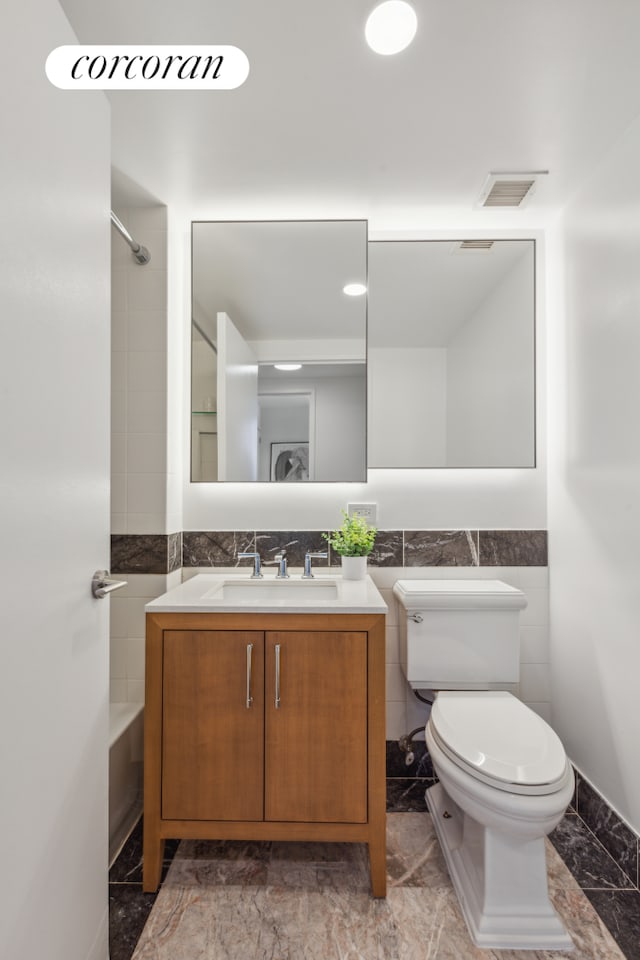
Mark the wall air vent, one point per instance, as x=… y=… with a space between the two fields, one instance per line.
x=509 y=189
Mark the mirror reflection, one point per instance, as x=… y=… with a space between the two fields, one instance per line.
x=278 y=385
x=451 y=358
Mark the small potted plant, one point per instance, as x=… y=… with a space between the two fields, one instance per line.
x=353 y=541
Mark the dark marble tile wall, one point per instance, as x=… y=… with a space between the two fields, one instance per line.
x=174 y=552
x=616 y=837
x=393 y=548
x=146 y=553
x=512 y=548
x=441 y=548
x=388 y=550
x=407 y=783
x=601 y=852
x=295 y=542
x=216 y=548
x=164 y=553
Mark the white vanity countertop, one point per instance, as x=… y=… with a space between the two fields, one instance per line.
x=231 y=593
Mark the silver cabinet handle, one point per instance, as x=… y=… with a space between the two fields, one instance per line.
x=416 y=617
x=249 y=654
x=277 y=676
x=102 y=584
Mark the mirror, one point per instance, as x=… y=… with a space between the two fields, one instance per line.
x=451 y=359
x=271 y=292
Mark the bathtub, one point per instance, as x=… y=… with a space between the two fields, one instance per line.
x=125 y=772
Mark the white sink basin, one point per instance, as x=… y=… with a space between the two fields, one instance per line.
x=289 y=591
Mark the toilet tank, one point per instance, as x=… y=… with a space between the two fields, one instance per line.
x=459 y=634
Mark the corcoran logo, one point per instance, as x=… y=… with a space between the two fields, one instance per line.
x=98 y=67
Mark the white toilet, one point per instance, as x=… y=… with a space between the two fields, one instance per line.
x=504 y=778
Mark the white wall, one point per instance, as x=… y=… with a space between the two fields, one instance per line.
x=594 y=477
x=407 y=406
x=490 y=378
x=54 y=504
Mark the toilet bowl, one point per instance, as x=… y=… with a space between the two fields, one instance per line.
x=504 y=784
x=504 y=779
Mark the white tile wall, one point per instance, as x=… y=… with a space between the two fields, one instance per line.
x=139 y=429
x=404 y=711
x=139 y=375
x=128 y=633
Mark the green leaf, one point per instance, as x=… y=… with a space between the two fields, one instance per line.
x=355 y=538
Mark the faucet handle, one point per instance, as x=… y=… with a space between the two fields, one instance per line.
x=281 y=560
x=257 y=572
x=307 y=575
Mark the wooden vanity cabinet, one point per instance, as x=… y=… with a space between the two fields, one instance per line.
x=265 y=727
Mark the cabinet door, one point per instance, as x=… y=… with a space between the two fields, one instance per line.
x=316 y=737
x=213 y=725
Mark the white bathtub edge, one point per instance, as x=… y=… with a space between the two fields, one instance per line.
x=121 y=716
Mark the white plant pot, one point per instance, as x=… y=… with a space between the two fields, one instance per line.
x=354 y=568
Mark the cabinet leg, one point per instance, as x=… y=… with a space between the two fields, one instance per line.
x=153 y=853
x=378 y=864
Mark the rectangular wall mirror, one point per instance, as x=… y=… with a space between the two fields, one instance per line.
x=451 y=359
x=267 y=293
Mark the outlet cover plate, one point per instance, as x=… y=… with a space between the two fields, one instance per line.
x=367 y=510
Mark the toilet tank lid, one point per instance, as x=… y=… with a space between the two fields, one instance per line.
x=458 y=595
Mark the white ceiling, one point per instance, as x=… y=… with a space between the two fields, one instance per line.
x=421 y=294
x=325 y=127
x=281 y=280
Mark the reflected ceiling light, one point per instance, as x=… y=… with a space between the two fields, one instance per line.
x=354 y=289
x=391 y=27
x=288 y=366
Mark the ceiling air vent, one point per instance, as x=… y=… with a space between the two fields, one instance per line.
x=476 y=244
x=509 y=189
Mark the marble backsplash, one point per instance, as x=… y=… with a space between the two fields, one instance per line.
x=164 y=553
x=146 y=553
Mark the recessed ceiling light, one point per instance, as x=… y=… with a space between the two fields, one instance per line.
x=288 y=366
x=391 y=27
x=354 y=289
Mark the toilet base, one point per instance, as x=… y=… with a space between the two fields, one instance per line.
x=500 y=881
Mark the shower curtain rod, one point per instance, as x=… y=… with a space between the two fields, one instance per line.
x=140 y=253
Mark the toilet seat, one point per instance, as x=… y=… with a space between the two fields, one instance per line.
x=495 y=738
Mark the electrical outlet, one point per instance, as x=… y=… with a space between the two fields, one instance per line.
x=369 y=511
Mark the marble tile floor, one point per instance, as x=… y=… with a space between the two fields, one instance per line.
x=289 y=901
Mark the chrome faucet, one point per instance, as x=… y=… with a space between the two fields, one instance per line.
x=281 y=560
x=257 y=572
x=308 y=557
